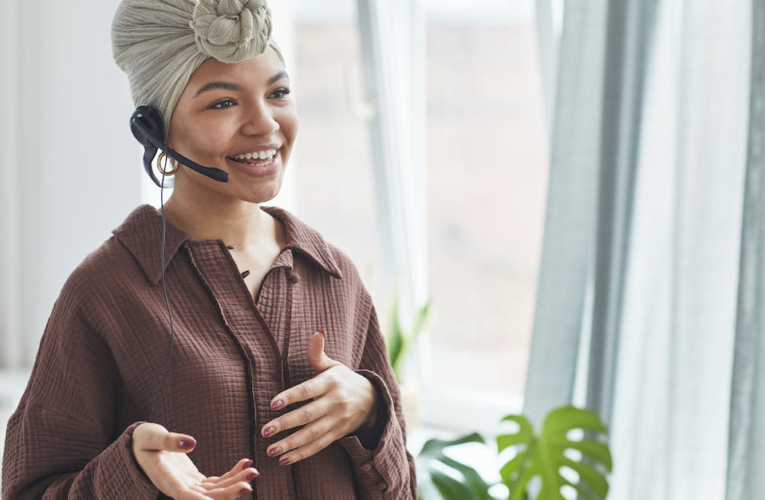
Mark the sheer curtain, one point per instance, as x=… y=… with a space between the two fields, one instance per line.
x=646 y=313
x=393 y=51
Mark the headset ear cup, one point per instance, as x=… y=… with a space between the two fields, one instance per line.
x=149 y=119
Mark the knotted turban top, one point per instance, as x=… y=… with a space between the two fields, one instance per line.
x=160 y=43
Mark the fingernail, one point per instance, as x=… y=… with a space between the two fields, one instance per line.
x=186 y=443
x=323 y=332
x=252 y=476
x=284 y=461
x=244 y=491
x=274 y=451
x=269 y=431
x=278 y=404
x=247 y=463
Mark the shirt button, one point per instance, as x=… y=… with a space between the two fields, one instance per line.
x=366 y=466
x=294 y=278
x=381 y=486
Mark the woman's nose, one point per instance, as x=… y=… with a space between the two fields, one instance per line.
x=261 y=122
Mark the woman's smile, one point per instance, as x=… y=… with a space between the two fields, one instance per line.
x=257 y=167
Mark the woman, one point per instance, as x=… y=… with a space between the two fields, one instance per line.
x=279 y=384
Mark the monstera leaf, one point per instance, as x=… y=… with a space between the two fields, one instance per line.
x=432 y=463
x=544 y=455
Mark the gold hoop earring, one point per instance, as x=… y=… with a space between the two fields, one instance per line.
x=167 y=173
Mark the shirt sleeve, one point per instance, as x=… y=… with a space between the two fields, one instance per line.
x=387 y=470
x=60 y=442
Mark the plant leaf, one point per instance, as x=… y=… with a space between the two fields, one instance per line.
x=430 y=463
x=450 y=488
x=394 y=337
x=434 y=447
x=544 y=455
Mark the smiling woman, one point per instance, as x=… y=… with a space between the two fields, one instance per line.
x=229 y=110
x=278 y=351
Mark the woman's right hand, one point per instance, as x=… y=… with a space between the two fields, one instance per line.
x=168 y=466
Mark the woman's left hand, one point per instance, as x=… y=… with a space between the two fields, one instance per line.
x=343 y=401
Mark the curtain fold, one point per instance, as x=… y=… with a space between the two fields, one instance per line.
x=667 y=156
x=630 y=28
x=569 y=234
x=746 y=444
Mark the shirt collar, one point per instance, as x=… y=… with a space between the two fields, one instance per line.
x=141 y=233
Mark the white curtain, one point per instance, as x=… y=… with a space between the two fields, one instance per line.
x=653 y=224
x=392 y=36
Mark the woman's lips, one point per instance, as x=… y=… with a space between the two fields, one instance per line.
x=258 y=168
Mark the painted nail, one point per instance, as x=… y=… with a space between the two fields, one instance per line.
x=275 y=451
x=269 y=431
x=251 y=476
x=244 y=491
x=187 y=444
x=284 y=461
x=278 y=404
x=247 y=463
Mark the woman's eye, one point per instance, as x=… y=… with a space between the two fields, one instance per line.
x=279 y=93
x=215 y=106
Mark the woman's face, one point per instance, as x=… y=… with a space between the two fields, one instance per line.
x=211 y=125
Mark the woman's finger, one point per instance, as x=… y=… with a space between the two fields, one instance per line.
x=242 y=464
x=230 y=492
x=310 y=439
x=304 y=415
x=172 y=441
x=310 y=389
x=245 y=475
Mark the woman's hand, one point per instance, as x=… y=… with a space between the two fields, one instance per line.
x=160 y=455
x=343 y=401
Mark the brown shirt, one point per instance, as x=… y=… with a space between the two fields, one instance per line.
x=107 y=343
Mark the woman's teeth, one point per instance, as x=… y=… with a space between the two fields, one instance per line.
x=262 y=155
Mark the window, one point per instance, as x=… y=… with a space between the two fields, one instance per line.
x=487 y=181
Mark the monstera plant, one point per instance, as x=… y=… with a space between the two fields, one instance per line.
x=545 y=455
x=536 y=456
x=542 y=456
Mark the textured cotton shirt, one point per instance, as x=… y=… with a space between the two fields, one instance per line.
x=106 y=347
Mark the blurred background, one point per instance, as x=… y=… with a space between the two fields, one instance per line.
x=575 y=187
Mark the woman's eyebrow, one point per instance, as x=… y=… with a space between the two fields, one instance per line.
x=234 y=86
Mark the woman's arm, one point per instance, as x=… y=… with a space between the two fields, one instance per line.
x=387 y=470
x=60 y=442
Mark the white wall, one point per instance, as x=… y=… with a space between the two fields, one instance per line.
x=69 y=162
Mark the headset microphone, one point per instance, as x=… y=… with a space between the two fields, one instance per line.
x=147 y=126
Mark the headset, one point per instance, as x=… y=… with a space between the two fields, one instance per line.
x=149 y=129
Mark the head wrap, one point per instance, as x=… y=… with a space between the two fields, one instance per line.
x=160 y=43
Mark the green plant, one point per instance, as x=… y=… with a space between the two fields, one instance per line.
x=541 y=456
x=398 y=340
x=544 y=455
x=430 y=464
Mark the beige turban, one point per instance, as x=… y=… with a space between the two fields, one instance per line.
x=160 y=43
